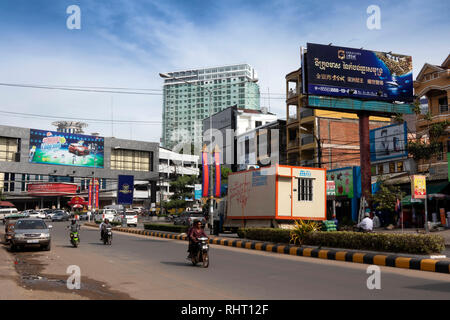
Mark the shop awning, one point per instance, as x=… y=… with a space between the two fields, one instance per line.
x=436 y=188
x=6 y=204
x=406 y=201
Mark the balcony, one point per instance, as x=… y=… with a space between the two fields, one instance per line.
x=307 y=139
x=307 y=163
x=292 y=144
x=305 y=113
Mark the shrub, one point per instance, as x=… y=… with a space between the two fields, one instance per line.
x=265 y=234
x=389 y=242
x=302 y=229
x=165 y=227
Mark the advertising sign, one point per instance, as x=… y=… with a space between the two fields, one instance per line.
x=125 y=189
x=331 y=188
x=70 y=149
x=343 y=179
x=52 y=189
x=418 y=187
x=388 y=142
x=197 y=191
x=347 y=72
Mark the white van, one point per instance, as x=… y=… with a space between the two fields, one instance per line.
x=6 y=211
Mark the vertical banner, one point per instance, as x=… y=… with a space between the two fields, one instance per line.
x=218 y=174
x=97 y=188
x=197 y=191
x=90 y=195
x=205 y=180
x=418 y=187
x=125 y=190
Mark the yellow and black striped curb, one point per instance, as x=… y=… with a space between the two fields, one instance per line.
x=339 y=255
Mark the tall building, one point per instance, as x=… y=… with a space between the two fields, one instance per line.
x=186 y=105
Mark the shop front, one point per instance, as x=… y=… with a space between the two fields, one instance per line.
x=347 y=182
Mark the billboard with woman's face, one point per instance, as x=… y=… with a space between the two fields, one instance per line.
x=70 y=149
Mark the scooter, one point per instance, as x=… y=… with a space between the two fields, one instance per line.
x=74 y=238
x=107 y=236
x=200 y=253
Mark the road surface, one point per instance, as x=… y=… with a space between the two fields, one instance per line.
x=139 y=267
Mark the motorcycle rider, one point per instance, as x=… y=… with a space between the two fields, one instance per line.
x=74 y=227
x=194 y=233
x=103 y=226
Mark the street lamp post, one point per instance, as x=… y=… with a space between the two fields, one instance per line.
x=211 y=208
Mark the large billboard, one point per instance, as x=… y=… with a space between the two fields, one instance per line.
x=61 y=148
x=388 y=142
x=356 y=73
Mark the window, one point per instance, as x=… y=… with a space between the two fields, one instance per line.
x=443 y=105
x=400 y=166
x=131 y=160
x=305 y=189
x=9 y=147
x=380 y=169
x=392 y=167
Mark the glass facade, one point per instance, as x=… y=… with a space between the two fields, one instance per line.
x=186 y=105
x=123 y=159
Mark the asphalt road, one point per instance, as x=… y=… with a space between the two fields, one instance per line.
x=138 y=267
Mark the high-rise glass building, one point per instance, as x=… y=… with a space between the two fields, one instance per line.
x=186 y=105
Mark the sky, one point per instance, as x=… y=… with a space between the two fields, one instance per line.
x=127 y=43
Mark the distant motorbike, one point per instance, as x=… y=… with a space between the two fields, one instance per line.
x=200 y=253
x=107 y=236
x=74 y=238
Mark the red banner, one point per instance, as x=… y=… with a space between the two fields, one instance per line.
x=218 y=175
x=205 y=184
x=52 y=189
x=96 y=194
x=90 y=195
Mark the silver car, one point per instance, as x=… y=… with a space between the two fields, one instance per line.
x=30 y=232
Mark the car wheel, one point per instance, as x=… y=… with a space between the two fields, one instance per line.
x=47 y=247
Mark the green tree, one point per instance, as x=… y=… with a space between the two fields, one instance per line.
x=182 y=189
x=386 y=197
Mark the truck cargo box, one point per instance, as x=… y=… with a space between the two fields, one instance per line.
x=277 y=193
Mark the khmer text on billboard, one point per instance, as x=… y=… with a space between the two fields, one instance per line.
x=60 y=148
x=364 y=74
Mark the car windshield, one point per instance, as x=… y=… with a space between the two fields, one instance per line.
x=30 y=224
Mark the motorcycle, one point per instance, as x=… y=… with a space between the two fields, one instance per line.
x=107 y=236
x=74 y=238
x=200 y=253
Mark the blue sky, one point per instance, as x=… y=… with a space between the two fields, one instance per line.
x=126 y=43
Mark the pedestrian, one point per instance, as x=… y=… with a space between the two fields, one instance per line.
x=366 y=224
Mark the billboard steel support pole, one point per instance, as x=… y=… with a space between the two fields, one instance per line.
x=364 y=150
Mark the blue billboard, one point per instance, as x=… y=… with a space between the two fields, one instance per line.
x=389 y=142
x=70 y=149
x=125 y=189
x=347 y=72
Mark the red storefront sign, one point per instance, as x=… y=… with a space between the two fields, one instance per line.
x=52 y=189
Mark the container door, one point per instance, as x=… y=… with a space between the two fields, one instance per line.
x=284 y=196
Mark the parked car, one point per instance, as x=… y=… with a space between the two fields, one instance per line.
x=30 y=232
x=37 y=214
x=60 y=215
x=187 y=218
x=49 y=213
x=6 y=211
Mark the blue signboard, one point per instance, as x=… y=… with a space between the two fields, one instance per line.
x=389 y=142
x=347 y=72
x=197 y=191
x=125 y=189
